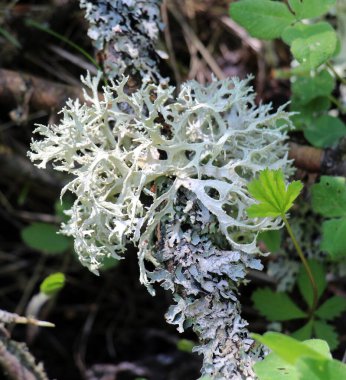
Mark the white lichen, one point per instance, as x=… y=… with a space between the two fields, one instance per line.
x=125 y=32
x=170 y=174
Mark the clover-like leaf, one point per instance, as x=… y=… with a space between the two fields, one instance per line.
x=274 y=196
x=332 y=308
x=276 y=306
x=326 y=332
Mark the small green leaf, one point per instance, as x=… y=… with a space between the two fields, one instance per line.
x=332 y=308
x=310 y=8
x=263 y=19
x=272 y=239
x=276 y=306
x=333 y=241
x=304 y=333
x=185 y=345
x=52 y=284
x=329 y=196
x=287 y=348
x=326 y=332
x=311 y=44
x=308 y=88
x=309 y=111
x=325 y=131
x=44 y=237
x=304 y=284
x=270 y=189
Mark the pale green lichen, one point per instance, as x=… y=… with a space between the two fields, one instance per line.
x=170 y=174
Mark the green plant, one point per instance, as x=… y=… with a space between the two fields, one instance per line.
x=313 y=44
x=279 y=306
x=293 y=360
x=275 y=200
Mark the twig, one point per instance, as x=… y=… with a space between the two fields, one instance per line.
x=196 y=41
x=168 y=39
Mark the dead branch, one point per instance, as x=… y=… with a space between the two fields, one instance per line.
x=45 y=94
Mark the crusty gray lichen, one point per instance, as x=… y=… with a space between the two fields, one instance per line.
x=170 y=174
x=126 y=32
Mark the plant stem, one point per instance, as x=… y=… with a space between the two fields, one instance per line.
x=305 y=263
x=336 y=74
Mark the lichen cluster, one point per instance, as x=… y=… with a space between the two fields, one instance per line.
x=125 y=33
x=170 y=175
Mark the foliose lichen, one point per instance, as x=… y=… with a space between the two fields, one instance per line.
x=170 y=174
x=125 y=33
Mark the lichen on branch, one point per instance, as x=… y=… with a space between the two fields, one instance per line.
x=170 y=175
x=125 y=33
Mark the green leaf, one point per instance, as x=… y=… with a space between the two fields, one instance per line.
x=311 y=369
x=263 y=19
x=270 y=189
x=304 y=284
x=304 y=333
x=307 y=112
x=52 y=284
x=325 y=131
x=332 y=308
x=308 y=88
x=185 y=345
x=326 y=332
x=276 y=306
x=272 y=239
x=44 y=237
x=329 y=196
x=311 y=44
x=289 y=349
x=310 y=8
x=273 y=367
x=334 y=242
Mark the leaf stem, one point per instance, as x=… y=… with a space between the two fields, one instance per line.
x=305 y=264
x=336 y=74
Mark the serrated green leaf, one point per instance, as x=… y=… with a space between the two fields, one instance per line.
x=310 y=8
x=329 y=196
x=308 y=88
x=272 y=239
x=304 y=284
x=289 y=349
x=276 y=306
x=263 y=19
x=332 y=308
x=334 y=242
x=52 y=284
x=325 y=131
x=311 y=44
x=304 y=333
x=270 y=189
x=326 y=332
x=44 y=237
